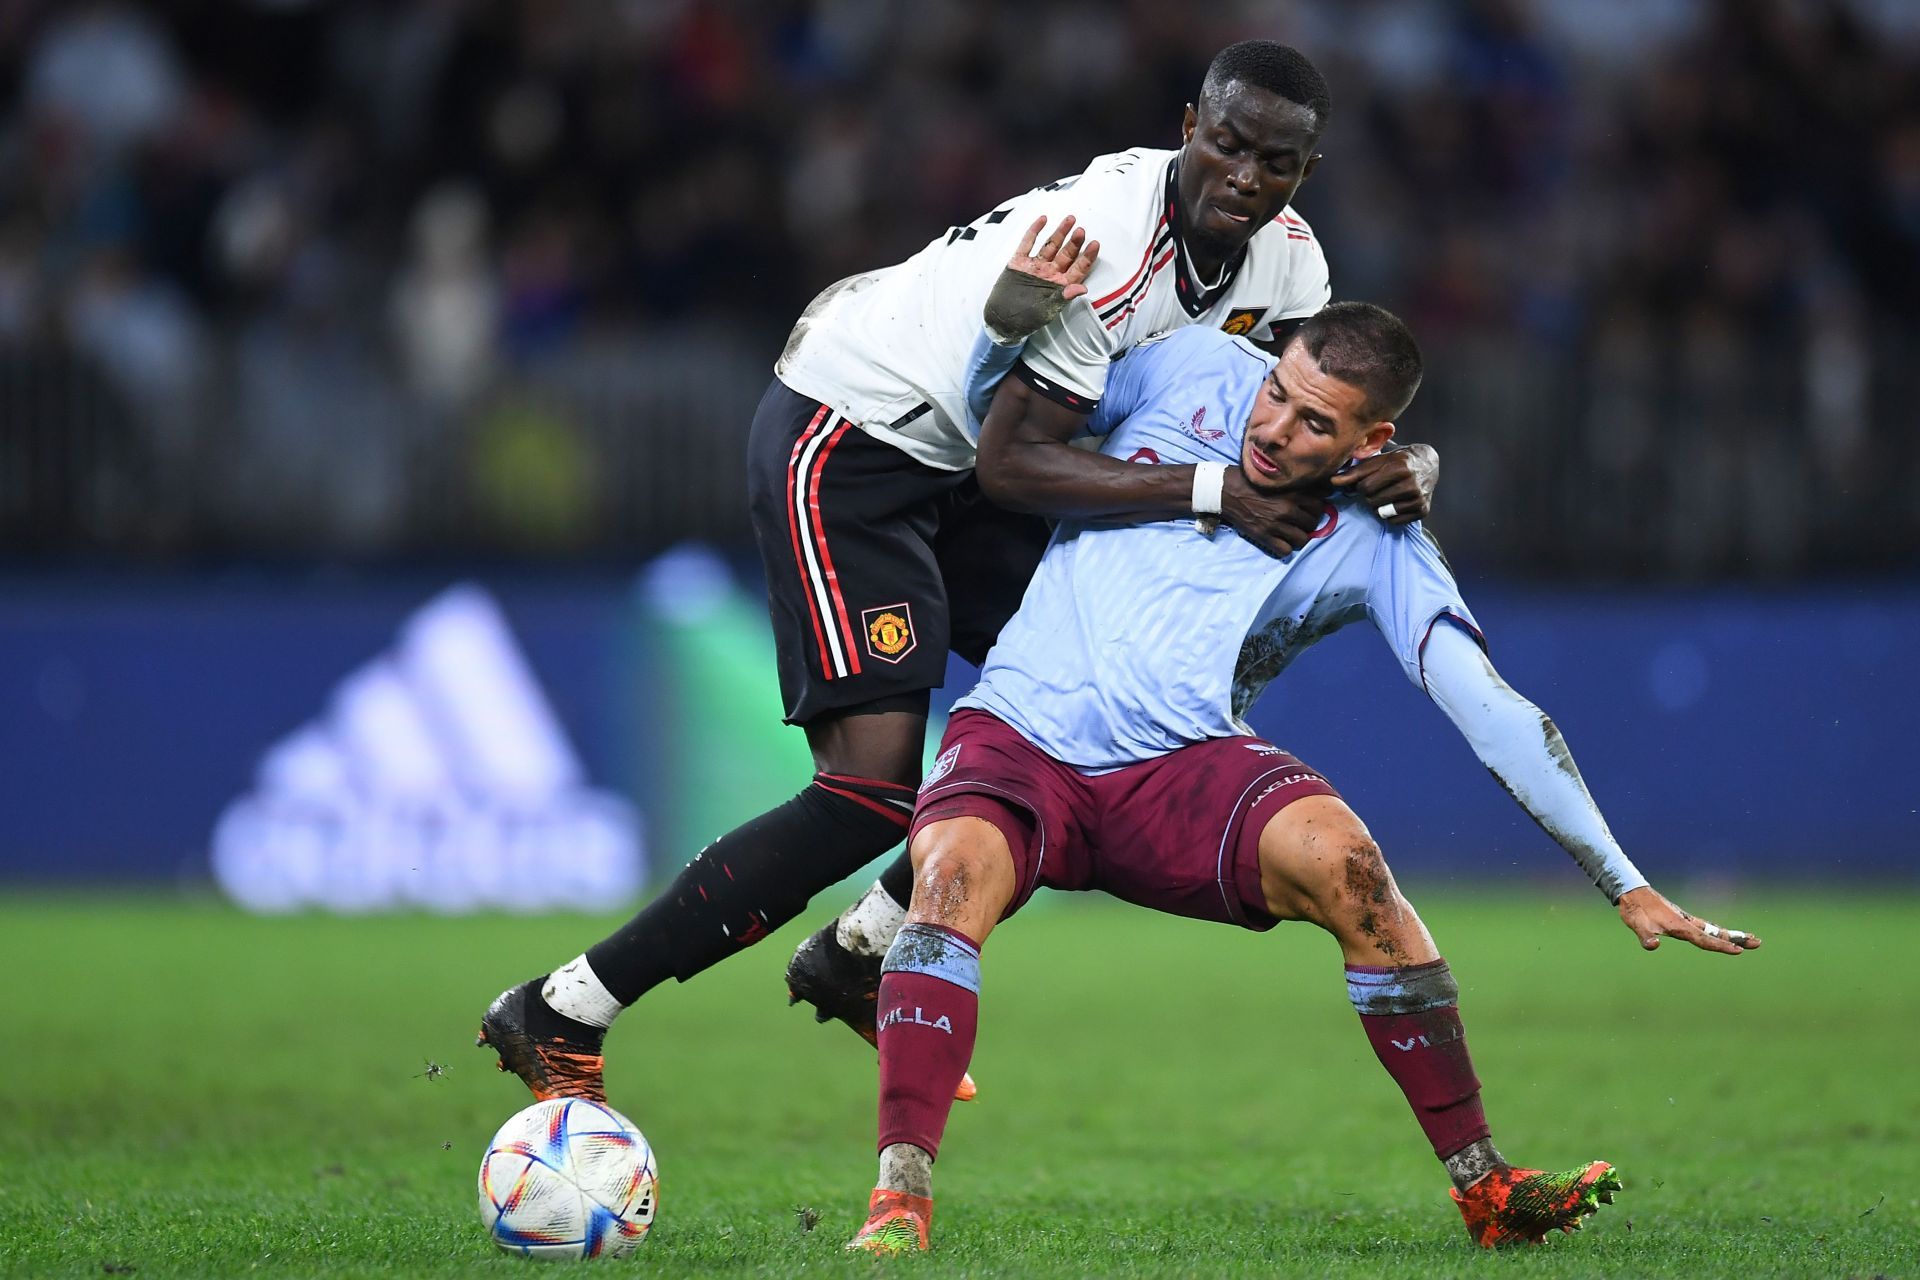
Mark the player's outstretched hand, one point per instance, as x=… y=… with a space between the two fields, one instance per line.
x=1652 y=917
x=1277 y=523
x=1036 y=286
x=1399 y=485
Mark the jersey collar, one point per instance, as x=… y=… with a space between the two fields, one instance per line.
x=1195 y=298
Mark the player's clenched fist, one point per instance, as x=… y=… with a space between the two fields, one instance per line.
x=1652 y=917
x=1036 y=287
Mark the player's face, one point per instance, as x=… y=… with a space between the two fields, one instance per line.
x=1306 y=425
x=1246 y=152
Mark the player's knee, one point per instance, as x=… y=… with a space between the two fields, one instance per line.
x=1339 y=870
x=947 y=857
x=1313 y=854
x=962 y=873
x=1365 y=899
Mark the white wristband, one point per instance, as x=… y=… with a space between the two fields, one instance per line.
x=1209 y=479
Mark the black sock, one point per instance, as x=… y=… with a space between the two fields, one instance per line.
x=751 y=881
x=897 y=880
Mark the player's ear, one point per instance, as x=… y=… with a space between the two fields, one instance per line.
x=1306 y=170
x=1187 y=122
x=1374 y=440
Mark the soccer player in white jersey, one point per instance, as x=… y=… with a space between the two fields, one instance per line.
x=880 y=551
x=1104 y=746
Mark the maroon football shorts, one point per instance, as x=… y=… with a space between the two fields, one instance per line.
x=1179 y=833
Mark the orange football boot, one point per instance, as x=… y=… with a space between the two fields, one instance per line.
x=896 y=1223
x=1513 y=1206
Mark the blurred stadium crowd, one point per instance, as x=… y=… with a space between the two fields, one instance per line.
x=399 y=277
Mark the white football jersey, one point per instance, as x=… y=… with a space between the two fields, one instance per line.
x=889 y=349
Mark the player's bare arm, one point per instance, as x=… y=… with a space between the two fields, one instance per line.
x=1026 y=464
x=1024 y=461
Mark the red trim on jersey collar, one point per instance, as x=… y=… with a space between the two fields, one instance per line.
x=1153 y=241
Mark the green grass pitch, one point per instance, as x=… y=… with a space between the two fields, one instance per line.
x=197 y=1093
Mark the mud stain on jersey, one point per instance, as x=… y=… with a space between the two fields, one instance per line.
x=1591 y=860
x=807 y=317
x=1557 y=748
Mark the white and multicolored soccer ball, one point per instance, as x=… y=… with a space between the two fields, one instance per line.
x=568 y=1178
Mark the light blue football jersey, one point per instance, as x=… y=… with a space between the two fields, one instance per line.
x=1137 y=639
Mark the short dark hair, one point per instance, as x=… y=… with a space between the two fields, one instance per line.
x=1275 y=67
x=1368 y=347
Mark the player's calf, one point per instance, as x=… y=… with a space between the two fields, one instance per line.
x=1318 y=863
x=837 y=969
x=929 y=1004
x=929 y=1015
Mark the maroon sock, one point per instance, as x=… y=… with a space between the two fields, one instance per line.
x=1412 y=1019
x=929 y=1013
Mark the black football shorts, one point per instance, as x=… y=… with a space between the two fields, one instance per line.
x=876 y=564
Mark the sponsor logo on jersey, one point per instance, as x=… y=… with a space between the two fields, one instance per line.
x=889 y=630
x=1241 y=322
x=942 y=766
x=1194 y=428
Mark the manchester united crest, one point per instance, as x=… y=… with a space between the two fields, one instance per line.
x=889 y=631
x=1241 y=322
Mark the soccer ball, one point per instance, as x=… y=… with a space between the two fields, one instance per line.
x=568 y=1178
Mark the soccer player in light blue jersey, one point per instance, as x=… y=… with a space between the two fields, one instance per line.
x=1104 y=747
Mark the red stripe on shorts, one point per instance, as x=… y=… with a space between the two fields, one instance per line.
x=799 y=556
x=826 y=557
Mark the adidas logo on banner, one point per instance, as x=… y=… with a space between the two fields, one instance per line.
x=438 y=777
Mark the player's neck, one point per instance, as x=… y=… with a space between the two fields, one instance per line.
x=1205 y=267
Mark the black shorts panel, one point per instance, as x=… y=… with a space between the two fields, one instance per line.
x=987 y=556
x=846 y=527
